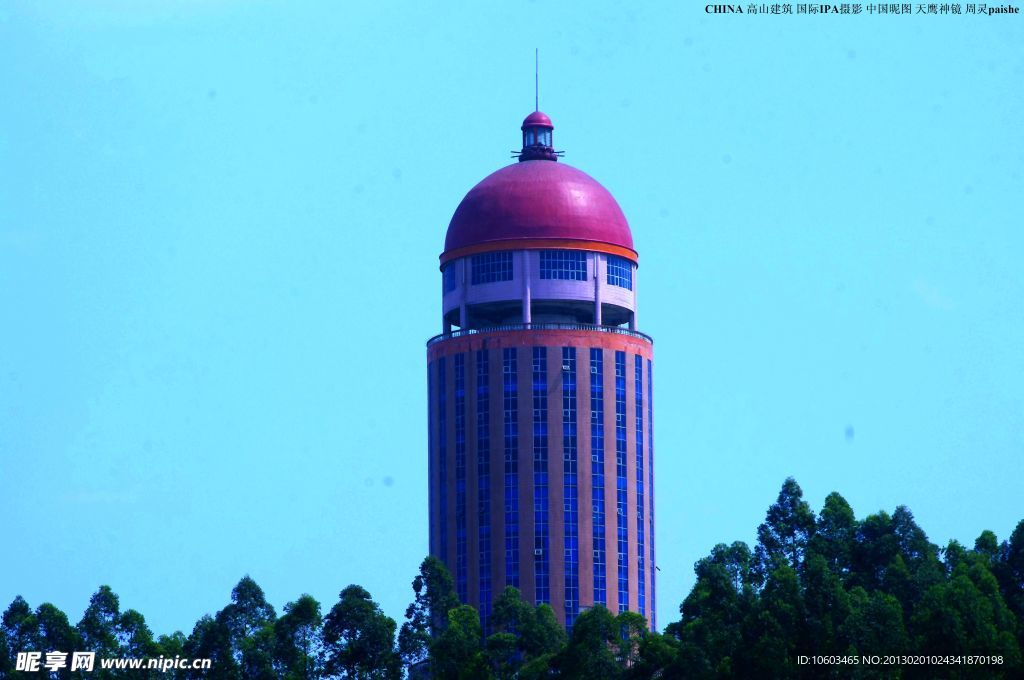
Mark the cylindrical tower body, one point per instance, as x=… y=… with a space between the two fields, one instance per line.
x=541 y=458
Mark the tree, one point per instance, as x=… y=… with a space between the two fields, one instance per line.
x=537 y=631
x=1009 y=572
x=111 y=633
x=874 y=624
x=632 y=630
x=298 y=648
x=360 y=639
x=427 y=616
x=99 y=627
x=775 y=629
x=502 y=653
x=656 y=655
x=56 y=634
x=830 y=585
x=988 y=545
x=786 y=531
x=874 y=550
x=967 y=615
x=919 y=555
x=893 y=553
x=457 y=654
x=826 y=605
x=954 y=554
x=258 y=655
x=247 y=614
x=710 y=631
x=21 y=634
x=134 y=637
x=248 y=622
x=170 y=646
x=510 y=611
x=6 y=667
x=591 y=652
x=835 y=535
x=211 y=639
x=542 y=634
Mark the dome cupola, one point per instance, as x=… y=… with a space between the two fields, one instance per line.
x=537 y=139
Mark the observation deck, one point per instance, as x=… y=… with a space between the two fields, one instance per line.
x=503 y=328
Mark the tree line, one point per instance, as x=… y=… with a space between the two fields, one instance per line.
x=824 y=584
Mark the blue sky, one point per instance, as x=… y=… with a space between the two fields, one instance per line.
x=219 y=229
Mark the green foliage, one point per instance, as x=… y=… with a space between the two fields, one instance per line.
x=827 y=585
x=536 y=629
x=245 y=618
x=211 y=639
x=714 y=611
x=100 y=623
x=298 y=645
x=55 y=633
x=1009 y=572
x=835 y=534
x=632 y=628
x=967 y=615
x=592 y=649
x=775 y=628
x=20 y=631
x=656 y=658
x=501 y=652
x=170 y=646
x=843 y=586
x=104 y=629
x=874 y=624
x=787 y=529
x=826 y=606
x=360 y=639
x=427 y=617
x=458 y=654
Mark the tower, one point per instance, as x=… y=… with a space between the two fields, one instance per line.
x=541 y=460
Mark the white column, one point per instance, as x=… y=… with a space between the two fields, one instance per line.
x=464 y=266
x=597 y=289
x=632 y=318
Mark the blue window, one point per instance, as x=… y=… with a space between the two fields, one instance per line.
x=597 y=472
x=650 y=487
x=449 y=281
x=460 y=477
x=511 y=425
x=569 y=486
x=541 y=557
x=638 y=393
x=431 y=442
x=570 y=265
x=442 y=445
x=620 y=272
x=621 y=505
x=483 y=483
x=491 y=267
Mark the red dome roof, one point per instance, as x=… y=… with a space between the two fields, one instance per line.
x=537 y=119
x=536 y=204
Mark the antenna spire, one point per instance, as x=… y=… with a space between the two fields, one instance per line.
x=536 y=79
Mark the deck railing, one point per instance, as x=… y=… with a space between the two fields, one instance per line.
x=540 y=326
